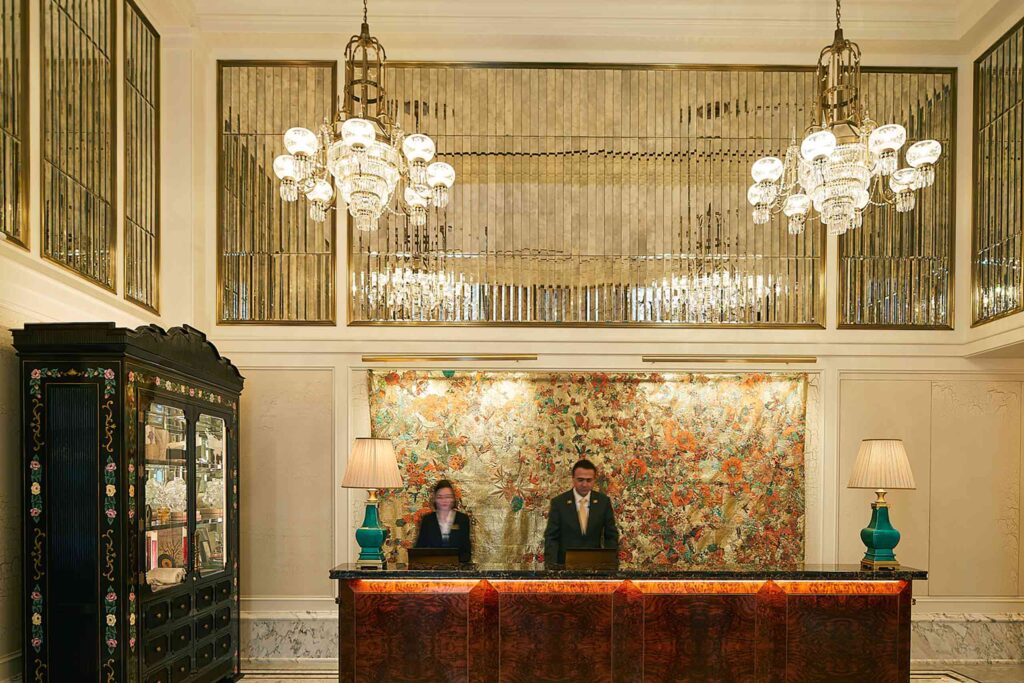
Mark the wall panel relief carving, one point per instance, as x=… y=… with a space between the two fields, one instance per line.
x=976 y=460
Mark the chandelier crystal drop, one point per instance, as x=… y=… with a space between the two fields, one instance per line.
x=364 y=159
x=845 y=162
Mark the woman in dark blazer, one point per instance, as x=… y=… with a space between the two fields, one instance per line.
x=446 y=527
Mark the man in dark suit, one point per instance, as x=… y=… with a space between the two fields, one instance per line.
x=580 y=518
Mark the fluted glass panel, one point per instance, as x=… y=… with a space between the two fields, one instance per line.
x=608 y=195
x=141 y=158
x=13 y=126
x=78 y=142
x=594 y=196
x=897 y=269
x=998 y=177
x=275 y=264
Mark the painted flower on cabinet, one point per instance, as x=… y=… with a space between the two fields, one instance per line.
x=705 y=470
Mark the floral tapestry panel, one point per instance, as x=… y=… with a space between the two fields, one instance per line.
x=704 y=470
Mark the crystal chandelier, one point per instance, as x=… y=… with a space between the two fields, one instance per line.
x=846 y=162
x=372 y=160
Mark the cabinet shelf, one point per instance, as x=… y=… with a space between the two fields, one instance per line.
x=169 y=462
x=166 y=525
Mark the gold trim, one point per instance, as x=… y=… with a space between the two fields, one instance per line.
x=448 y=357
x=112 y=226
x=977 y=321
x=155 y=307
x=787 y=360
x=333 y=306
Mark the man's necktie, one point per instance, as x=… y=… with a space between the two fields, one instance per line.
x=583 y=512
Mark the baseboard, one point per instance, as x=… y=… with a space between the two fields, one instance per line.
x=297 y=665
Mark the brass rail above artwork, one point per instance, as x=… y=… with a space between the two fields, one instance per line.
x=614 y=195
x=756 y=360
x=447 y=357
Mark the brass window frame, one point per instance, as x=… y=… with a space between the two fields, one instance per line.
x=129 y=5
x=23 y=238
x=820 y=308
x=221 y=64
x=977 y=103
x=949 y=158
x=820 y=274
x=45 y=77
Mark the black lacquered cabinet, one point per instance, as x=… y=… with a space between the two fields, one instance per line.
x=130 y=468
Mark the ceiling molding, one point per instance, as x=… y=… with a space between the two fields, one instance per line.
x=707 y=28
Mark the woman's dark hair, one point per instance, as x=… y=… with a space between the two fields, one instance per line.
x=445 y=484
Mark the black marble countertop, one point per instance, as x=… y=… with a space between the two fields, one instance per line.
x=799 y=572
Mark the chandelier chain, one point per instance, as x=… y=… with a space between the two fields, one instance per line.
x=839 y=18
x=364 y=11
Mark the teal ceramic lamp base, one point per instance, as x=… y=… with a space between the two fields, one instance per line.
x=880 y=537
x=370 y=537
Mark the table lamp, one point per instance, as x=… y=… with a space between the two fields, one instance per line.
x=881 y=464
x=372 y=465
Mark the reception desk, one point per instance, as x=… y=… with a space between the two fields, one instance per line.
x=830 y=624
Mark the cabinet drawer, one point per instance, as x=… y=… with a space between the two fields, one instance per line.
x=222 y=618
x=181 y=606
x=223 y=591
x=204 y=626
x=157 y=614
x=156 y=649
x=158 y=676
x=181 y=637
x=223 y=645
x=204 y=598
x=181 y=669
x=204 y=656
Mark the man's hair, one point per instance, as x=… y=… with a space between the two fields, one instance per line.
x=583 y=464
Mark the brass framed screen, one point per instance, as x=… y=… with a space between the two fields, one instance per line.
x=998 y=212
x=896 y=271
x=616 y=195
x=141 y=159
x=14 y=156
x=78 y=136
x=594 y=195
x=275 y=265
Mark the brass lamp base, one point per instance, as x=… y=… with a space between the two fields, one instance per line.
x=876 y=565
x=365 y=566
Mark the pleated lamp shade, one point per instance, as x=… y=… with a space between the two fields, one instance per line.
x=882 y=464
x=372 y=465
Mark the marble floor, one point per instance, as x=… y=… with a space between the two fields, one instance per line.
x=952 y=673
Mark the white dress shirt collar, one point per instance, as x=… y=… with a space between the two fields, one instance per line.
x=581 y=499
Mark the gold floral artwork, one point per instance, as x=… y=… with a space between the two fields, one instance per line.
x=704 y=470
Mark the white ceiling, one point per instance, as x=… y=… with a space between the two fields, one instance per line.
x=941 y=25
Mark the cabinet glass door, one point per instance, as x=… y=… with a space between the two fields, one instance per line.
x=165 y=470
x=211 y=494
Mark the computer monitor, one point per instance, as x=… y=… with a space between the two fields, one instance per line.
x=428 y=558
x=591 y=558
